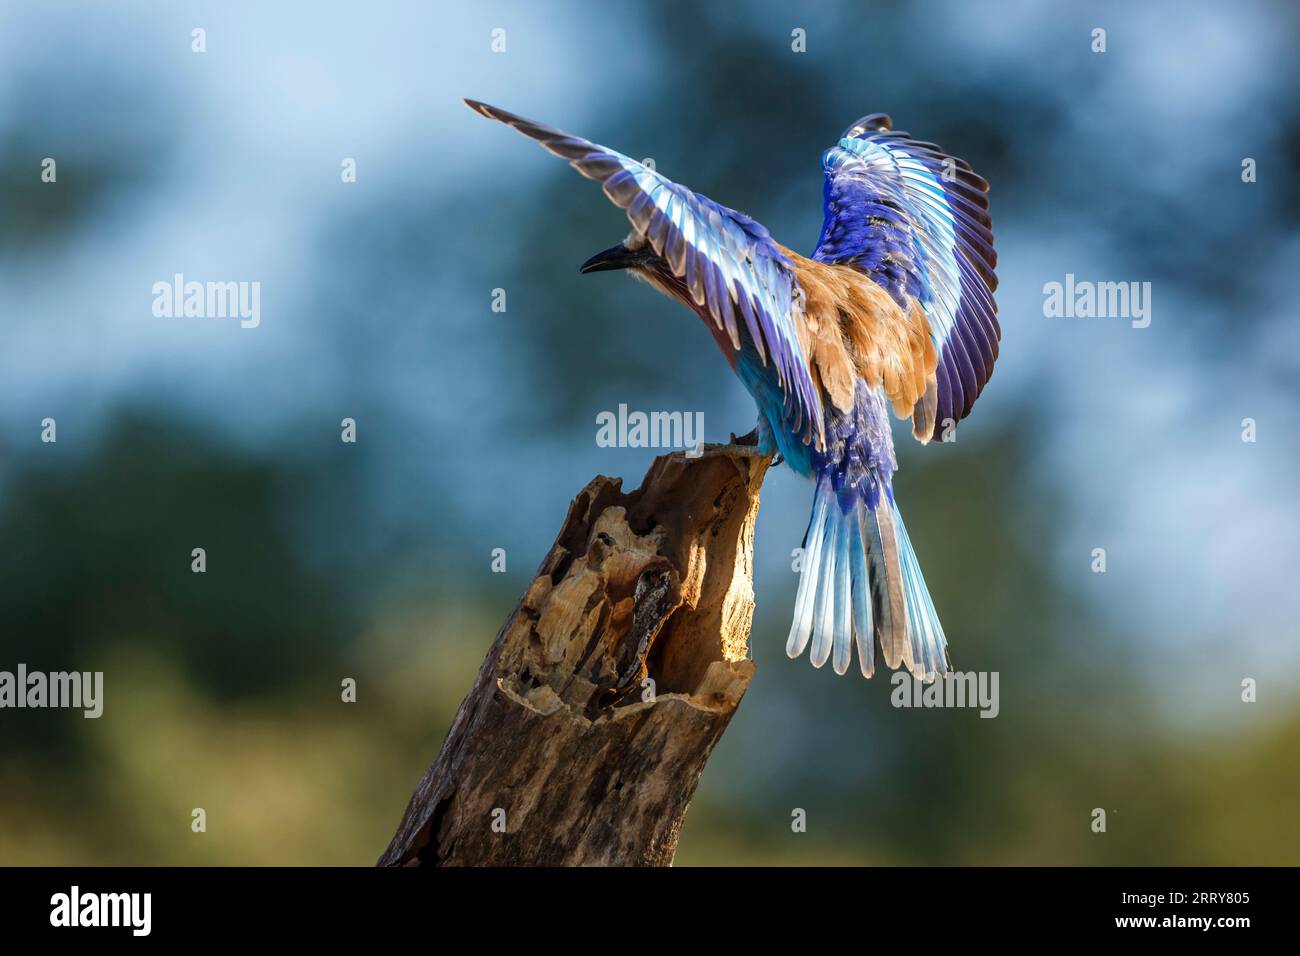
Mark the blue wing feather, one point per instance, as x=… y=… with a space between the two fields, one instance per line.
x=916 y=221
x=729 y=262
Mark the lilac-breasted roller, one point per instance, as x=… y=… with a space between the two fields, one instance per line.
x=894 y=310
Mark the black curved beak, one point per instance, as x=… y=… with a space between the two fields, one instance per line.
x=615 y=257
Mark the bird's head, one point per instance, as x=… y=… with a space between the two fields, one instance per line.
x=633 y=254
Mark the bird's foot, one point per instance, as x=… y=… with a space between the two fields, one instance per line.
x=754 y=440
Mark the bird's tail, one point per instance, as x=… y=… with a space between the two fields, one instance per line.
x=860 y=583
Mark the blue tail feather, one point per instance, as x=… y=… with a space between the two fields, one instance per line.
x=861 y=583
x=801 y=629
x=861 y=601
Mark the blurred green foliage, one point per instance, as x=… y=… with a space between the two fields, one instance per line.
x=223 y=692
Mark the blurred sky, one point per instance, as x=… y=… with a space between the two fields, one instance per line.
x=1120 y=166
x=231 y=168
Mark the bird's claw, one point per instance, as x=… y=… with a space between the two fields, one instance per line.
x=750 y=440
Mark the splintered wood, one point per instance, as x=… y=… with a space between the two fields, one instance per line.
x=584 y=736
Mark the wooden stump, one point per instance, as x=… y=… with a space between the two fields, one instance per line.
x=584 y=736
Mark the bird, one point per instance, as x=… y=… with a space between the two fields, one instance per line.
x=893 y=311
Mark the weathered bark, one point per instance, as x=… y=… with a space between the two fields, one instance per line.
x=591 y=762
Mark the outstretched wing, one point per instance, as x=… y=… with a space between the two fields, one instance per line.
x=916 y=221
x=727 y=260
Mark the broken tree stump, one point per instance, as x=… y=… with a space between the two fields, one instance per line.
x=597 y=706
